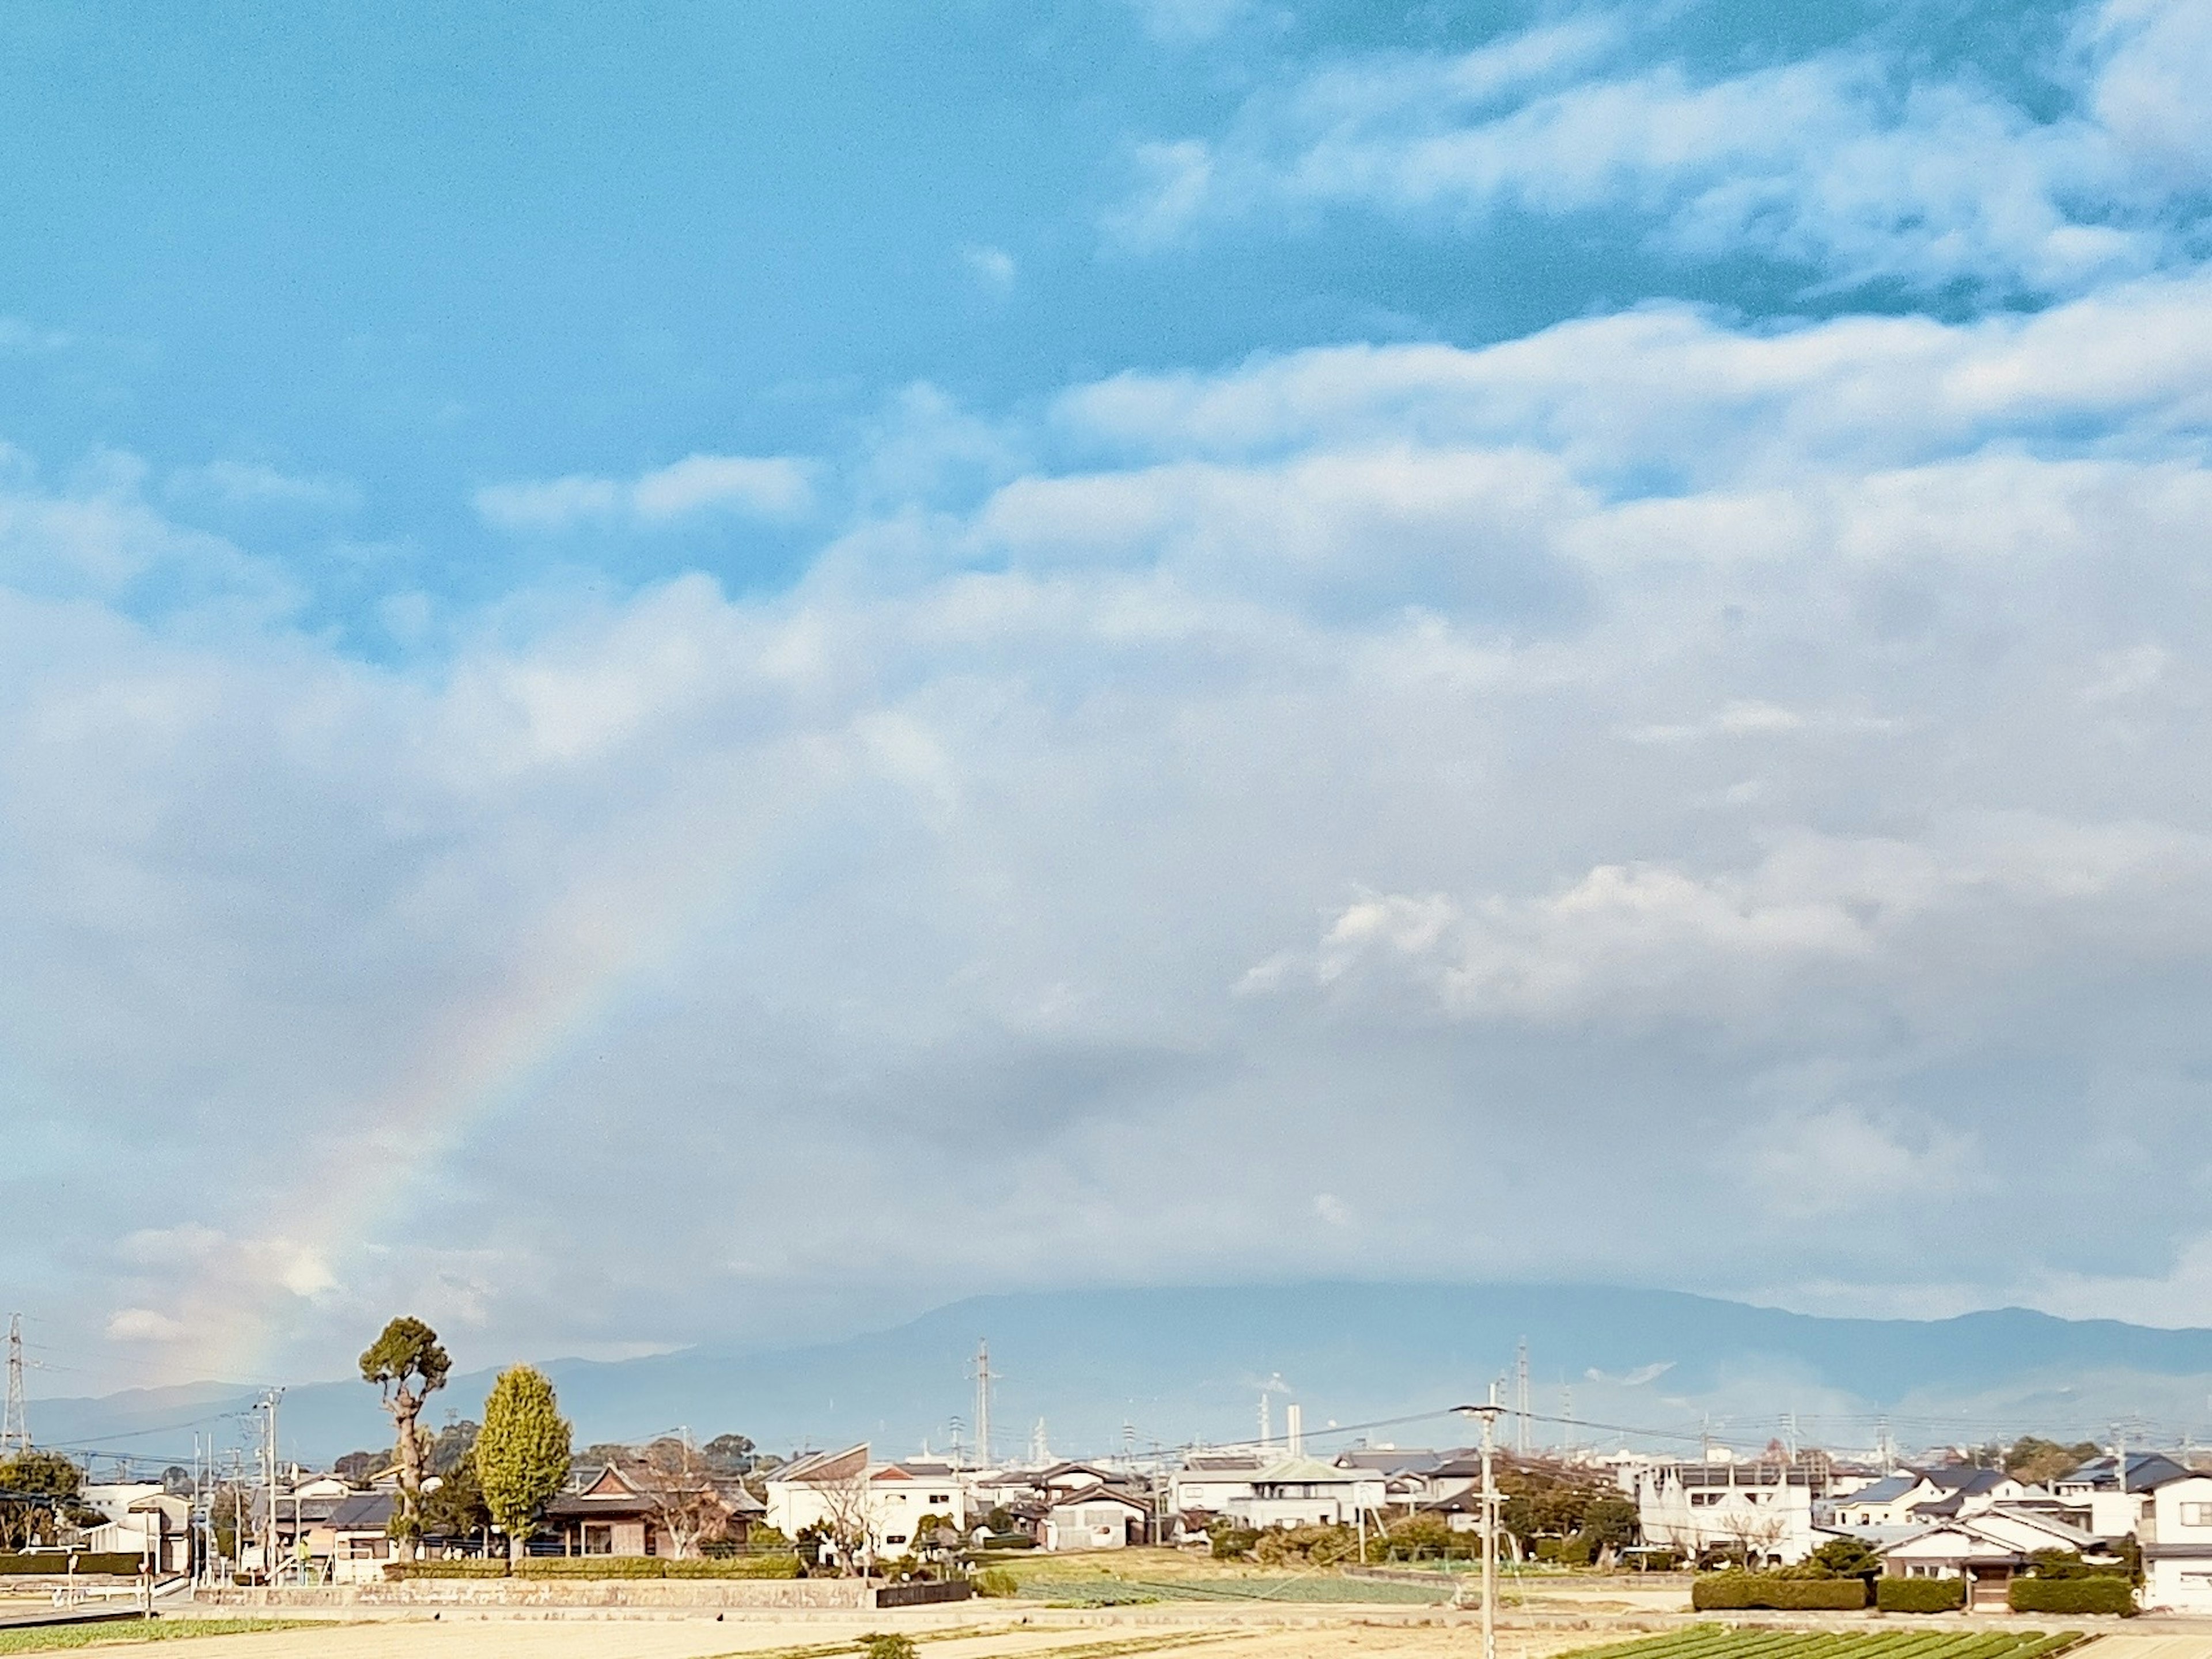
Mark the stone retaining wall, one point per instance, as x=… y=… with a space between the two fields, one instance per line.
x=792 y=1593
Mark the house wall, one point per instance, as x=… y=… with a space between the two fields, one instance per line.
x=1774 y=1521
x=2177 y=1546
x=891 y=1510
x=1089 y=1527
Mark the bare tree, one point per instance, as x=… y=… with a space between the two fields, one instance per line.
x=845 y=1508
x=684 y=1501
x=1755 y=1529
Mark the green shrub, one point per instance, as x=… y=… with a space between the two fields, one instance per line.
x=106 y=1562
x=736 y=1566
x=592 y=1566
x=880 y=1646
x=1232 y=1542
x=1920 y=1595
x=446 y=1569
x=1727 y=1590
x=2103 y=1594
x=1320 y=1544
x=996 y=1581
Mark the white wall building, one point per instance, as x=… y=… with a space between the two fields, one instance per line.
x=851 y=1495
x=140 y=1518
x=1212 y=1482
x=1093 y=1519
x=1763 y=1512
x=2176 y=1546
x=1304 y=1491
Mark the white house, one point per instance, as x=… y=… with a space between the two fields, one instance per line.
x=1903 y=1498
x=2176 y=1546
x=140 y=1518
x=1987 y=1549
x=876 y=1505
x=1209 y=1482
x=1302 y=1490
x=2112 y=1499
x=1763 y=1511
x=1095 y=1518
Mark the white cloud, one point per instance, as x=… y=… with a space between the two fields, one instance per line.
x=1263 y=777
x=241 y=483
x=1843 y=163
x=993 y=267
x=764 y=487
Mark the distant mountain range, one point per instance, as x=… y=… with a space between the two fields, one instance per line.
x=1382 y=1363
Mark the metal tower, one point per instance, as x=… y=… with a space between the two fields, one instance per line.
x=14 y=1430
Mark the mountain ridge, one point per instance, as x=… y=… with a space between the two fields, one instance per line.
x=1179 y=1364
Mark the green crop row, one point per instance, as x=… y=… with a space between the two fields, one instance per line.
x=1719 y=1642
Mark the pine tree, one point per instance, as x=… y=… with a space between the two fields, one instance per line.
x=522 y=1453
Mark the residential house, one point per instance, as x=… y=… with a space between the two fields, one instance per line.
x=1418 y=1479
x=620 y=1512
x=360 y=1536
x=1303 y=1491
x=2112 y=1499
x=876 y=1507
x=140 y=1518
x=1209 y=1482
x=1097 y=1517
x=1760 y=1511
x=1987 y=1549
x=2176 y=1546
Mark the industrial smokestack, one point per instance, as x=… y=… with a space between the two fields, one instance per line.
x=1294 y=1425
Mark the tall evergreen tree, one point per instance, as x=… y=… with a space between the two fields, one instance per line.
x=521 y=1453
x=409 y=1364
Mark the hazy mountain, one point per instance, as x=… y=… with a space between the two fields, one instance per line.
x=1653 y=1368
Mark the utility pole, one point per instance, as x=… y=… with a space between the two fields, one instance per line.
x=14 y=1429
x=1566 y=1423
x=1488 y=1413
x=269 y=1474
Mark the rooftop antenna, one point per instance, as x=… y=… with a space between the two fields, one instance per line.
x=14 y=1430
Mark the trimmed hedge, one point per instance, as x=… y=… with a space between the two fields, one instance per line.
x=113 y=1562
x=2099 y=1595
x=736 y=1566
x=1727 y=1590
x=604 y=1566
x=1920 y=1595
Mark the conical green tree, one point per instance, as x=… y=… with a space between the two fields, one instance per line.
x=522 y=1453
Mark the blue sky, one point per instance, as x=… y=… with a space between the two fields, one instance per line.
x=1159 y=641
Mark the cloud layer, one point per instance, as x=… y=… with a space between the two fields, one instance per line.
x=1362 y=807
x=1246 y=838
x=1847 y=165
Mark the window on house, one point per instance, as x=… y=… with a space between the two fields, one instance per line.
x=2197 y=1514
x=940 y=1498
x=598 y=1540
x=895 y=1538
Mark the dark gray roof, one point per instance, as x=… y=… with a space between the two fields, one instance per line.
x=367 y=1512
x=1963 y=1478
x=2146 y=1470
x=1887 y=1490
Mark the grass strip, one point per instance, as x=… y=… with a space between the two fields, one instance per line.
x=55 y=1639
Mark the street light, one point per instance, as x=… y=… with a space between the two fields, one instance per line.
x=1488 y=1413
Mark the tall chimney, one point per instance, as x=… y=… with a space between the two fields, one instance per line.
x=1294 y=1425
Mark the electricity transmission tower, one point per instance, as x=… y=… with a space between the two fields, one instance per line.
x=14 y=1430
